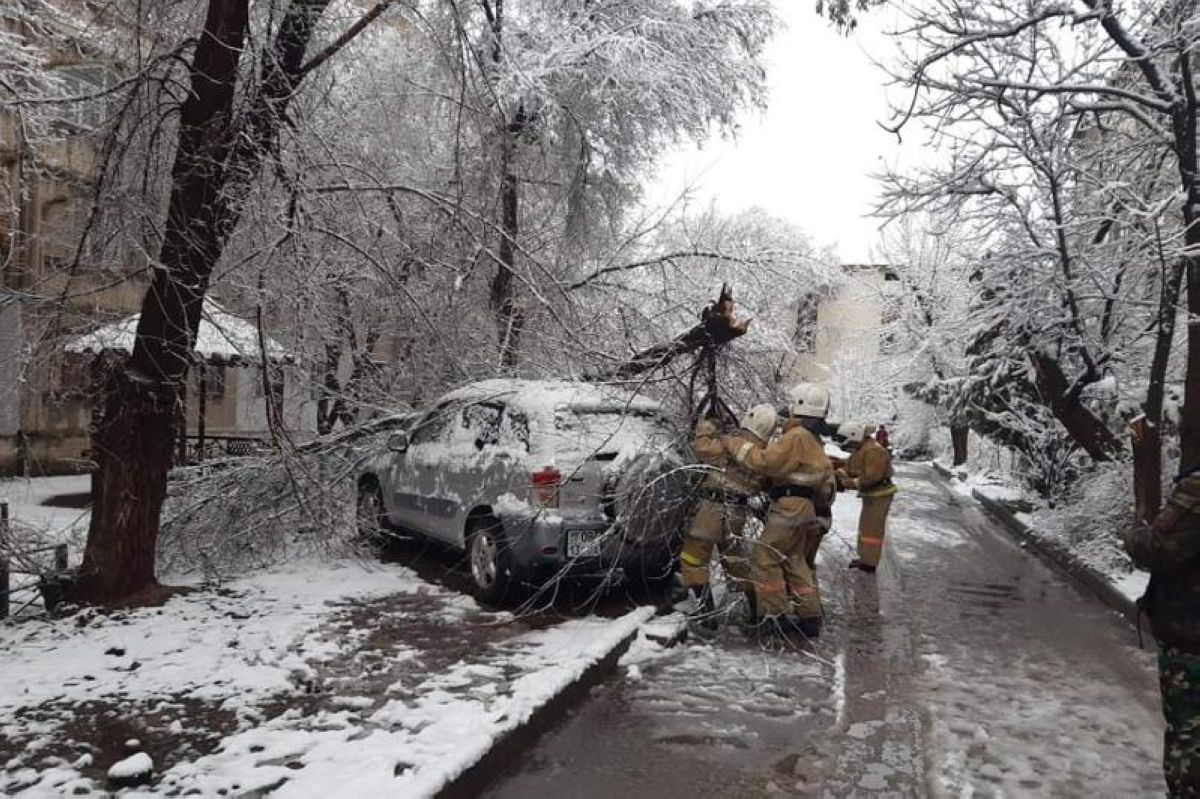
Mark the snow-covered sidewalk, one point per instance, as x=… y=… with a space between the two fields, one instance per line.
x=348 y=679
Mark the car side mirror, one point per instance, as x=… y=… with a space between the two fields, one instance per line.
x=398 y=442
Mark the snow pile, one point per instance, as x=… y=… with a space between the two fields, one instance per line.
x=1087 y=521
x=132 y=770
x=317 y=680
x=410 y=747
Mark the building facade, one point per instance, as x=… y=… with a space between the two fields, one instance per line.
x=842 y=340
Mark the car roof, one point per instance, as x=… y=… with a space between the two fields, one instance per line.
x=548 y=395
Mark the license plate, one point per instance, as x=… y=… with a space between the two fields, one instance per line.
x=584 y=543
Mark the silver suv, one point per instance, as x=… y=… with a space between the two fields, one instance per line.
x=535 y=479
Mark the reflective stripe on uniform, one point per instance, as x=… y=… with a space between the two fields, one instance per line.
x=743 y=451
x=692 y=560
x=875 y=542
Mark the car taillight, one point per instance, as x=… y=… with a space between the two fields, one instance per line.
x=545 y=487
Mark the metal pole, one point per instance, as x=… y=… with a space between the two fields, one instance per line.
x=4 y=581
x=4 y=588
x=202 y=415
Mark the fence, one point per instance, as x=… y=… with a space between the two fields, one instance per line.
x=10 y=566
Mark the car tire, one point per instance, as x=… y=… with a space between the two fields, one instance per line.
x=490 y=562
x=370 y=513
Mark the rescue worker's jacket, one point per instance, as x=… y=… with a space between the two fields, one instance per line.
x=729 y=481
x=870 y=470
x=1170 y=549
x=796 y=465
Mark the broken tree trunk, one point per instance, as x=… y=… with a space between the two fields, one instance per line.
x=718 y=326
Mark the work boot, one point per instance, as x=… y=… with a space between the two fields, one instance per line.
x=772 y=631
x=809 y=627
x=858 y=564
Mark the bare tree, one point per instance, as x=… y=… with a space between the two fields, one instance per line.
x=221 y=150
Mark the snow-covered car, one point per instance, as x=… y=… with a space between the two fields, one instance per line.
x=535 y=479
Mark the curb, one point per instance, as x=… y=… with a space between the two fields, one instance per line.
x=1057 y=557
x=1060 y=558
x=508 y=747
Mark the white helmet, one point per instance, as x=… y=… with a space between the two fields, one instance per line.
x=809 y=399
x=852 y=431
x=760 y=420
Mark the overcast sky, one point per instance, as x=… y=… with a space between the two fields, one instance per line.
x=810 y=156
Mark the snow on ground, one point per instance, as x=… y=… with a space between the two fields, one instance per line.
x=27 y=504
x=43 y=512
x=316 y=679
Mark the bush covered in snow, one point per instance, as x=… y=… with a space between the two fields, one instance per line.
x=1088 y=517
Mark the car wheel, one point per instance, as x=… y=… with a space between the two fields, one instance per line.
x=370 y=513
x=490 y=562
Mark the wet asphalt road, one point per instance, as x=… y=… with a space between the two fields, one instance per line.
x=963 y=668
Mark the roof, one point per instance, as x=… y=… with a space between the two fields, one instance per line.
x=222 y=337
x=552 y=393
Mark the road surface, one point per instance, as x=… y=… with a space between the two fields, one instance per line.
x=964 y=667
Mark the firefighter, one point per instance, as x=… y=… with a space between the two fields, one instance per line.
x=720 y=513
x=1170 y=549
x=785 y=587
x=869 y=470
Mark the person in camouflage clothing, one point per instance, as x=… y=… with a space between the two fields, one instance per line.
x=1170 y=549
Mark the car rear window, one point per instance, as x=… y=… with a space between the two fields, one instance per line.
x=605 y=429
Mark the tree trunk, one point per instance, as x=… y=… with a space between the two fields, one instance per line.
x=128 y=487
x=1085 y=429
x=216 y=161
x=1189 y=432
x=1147 y=442
x=1146 y=439
x=137 y=433
x=959 y=436
x=510 y=317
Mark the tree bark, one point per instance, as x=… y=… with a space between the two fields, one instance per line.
x=217 y=158
x=959 y=437
x=1085 y=429
x=135 y=437
x=1189 y=428
x=510 y=317
x=1147 y=442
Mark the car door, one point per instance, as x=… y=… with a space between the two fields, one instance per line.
x=461 y=479
x=409 y=475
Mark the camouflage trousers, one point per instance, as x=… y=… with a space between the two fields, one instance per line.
x=1179 y=678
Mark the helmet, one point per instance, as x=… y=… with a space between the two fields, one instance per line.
x=759 y=420
x=852 y=431
x=809 y=399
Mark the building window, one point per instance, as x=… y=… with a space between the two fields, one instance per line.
x=213 y=380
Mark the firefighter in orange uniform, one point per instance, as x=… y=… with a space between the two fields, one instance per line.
x=720 y=514
x=799 y=472
x=869 y=470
